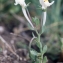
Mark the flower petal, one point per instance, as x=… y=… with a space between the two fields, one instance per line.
x=48 y=4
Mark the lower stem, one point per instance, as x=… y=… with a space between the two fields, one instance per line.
x=40 y=48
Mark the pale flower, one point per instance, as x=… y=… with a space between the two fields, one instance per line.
x=23 y=5
x=45 y=4
x=21 y=2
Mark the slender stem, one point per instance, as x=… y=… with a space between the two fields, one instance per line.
x=41 y=23
x=31 y=42
x=40 y=47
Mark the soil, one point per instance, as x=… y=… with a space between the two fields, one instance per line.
x=21 y=52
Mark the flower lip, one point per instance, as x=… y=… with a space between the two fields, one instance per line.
x=21 y=2
x=45 y=3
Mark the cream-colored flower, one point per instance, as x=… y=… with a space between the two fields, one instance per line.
x=45 y=3
x=21 y=2
x=23 y=5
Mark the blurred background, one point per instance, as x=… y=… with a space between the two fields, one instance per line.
x=13 y=22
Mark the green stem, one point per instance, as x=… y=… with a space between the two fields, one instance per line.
x=40 y=48
x=41 y=23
